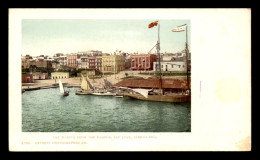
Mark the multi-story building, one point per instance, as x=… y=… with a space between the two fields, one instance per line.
x=62 y=60
x=99 y=63
x=142 y=61
x=84 y=62
x=79 y=60
x=92 y=62
x=113 y=63
x=72 y=60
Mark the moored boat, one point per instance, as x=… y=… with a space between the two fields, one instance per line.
x=104 y=94
x=86 y=89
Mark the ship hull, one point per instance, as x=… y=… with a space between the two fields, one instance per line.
x=84 y=92
x=161 y=98
x=104 y=94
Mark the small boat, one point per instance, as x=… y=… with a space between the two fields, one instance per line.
x=65 y=93
x=86 y=89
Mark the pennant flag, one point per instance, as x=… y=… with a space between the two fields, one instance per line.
x=180 y=28
x=153 y=24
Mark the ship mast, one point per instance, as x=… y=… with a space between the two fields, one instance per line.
x=187 y=52
x=159 y=56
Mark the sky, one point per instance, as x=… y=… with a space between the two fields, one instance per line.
x=50 y=36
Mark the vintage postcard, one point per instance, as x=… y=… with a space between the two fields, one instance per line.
x=108 y=79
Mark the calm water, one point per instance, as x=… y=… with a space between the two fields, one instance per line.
x=46 y=110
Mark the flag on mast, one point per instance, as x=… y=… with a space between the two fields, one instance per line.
x=155 y=23
x=180 y=28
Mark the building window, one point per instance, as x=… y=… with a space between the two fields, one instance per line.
x=172 y=66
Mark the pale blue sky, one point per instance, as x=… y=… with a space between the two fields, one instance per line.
x=48 y=36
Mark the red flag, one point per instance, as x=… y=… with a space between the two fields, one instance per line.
x=153 y=24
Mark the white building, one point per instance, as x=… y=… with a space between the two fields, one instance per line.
x=83 y=62
x=170 y=66
x=62 y=60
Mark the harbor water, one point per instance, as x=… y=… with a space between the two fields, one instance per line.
x=46 y=110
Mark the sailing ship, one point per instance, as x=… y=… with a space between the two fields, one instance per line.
x=148 y=94
x=65 y=93
x=106 y=91
x=86 y=87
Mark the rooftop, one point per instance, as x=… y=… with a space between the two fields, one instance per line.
x=153 y=83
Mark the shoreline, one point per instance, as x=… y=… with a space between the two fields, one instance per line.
x=75 y=82
x=50 y=83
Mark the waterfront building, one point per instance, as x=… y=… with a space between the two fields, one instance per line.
x=113 y=63
x=27 y=78
x=142 y=61
x=59 y=75
x=72 y=60
x=39 y=76
x=170 y=66
x=84 y=62
x=92 y=62
x=78 y=60
x=99 y=63
x=62 y=60
x=173 y=62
